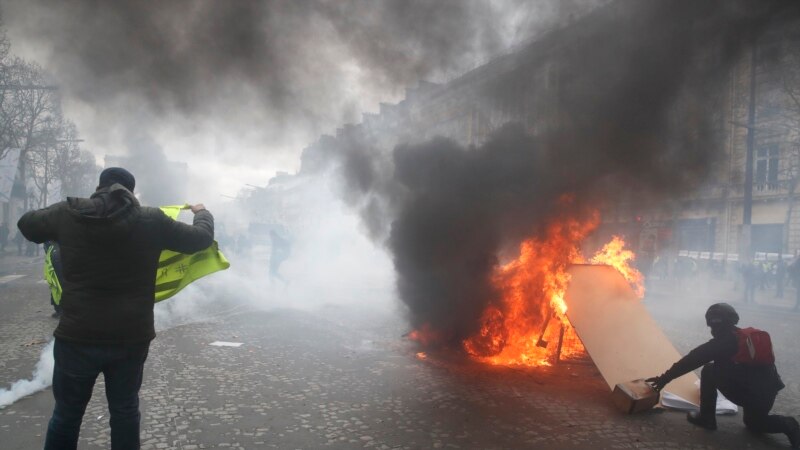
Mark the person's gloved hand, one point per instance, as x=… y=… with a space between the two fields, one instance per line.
x=658 y=382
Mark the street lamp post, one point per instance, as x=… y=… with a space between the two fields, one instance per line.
x=747 y=214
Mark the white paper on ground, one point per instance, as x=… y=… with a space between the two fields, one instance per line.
x=226 y=344
x=672 y=401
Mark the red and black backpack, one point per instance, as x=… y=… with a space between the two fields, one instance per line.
x=755 y=347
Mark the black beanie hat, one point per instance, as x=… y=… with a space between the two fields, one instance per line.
x=119 y=175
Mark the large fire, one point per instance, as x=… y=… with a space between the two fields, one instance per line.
x=527 y=324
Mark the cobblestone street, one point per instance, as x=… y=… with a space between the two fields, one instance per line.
x=343 y=377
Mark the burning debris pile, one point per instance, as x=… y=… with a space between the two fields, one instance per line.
x=520 y=328
x=527 y=323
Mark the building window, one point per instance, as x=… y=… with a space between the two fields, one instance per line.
x=767 y=167
x=696 y=234
x=767 y=238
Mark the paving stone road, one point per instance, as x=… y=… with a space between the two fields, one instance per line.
x=343 y=377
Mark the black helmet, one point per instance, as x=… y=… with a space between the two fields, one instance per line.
x=721 y=314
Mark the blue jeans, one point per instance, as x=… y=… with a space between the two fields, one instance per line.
x=76 y=369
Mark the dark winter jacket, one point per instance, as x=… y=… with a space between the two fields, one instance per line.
x=110 y=247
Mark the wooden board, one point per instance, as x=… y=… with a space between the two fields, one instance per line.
x=619 y=334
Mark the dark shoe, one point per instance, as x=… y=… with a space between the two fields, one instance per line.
x=695 y=418
x=56 y=315
x=794 y=433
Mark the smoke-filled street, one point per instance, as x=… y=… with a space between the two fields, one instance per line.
x=482 y=224
x=342 y=377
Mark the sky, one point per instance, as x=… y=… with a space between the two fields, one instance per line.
x=238 y=89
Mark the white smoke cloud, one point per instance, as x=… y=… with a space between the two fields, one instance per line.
x=42 y=378
x=331 y=262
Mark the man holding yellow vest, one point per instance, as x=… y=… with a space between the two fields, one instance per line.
x=110 y=250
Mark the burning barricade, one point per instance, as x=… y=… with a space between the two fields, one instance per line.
x=556 y=304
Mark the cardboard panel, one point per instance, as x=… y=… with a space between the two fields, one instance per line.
x=619 y=334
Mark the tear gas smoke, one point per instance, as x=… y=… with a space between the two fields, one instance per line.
x=330 y=262
x=326 y=269
x=637 y=85
x=41 y=379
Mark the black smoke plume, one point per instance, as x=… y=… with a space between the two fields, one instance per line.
x=639 y=83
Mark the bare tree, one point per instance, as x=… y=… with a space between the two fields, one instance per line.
x=57 y=161
x=75 y=169
x=35 y=110
x=35 y=106
x=31 y=120
x=9 y=112
x=42 y=157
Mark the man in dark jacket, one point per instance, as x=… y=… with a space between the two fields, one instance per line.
x=110 y=247
x=753 y=387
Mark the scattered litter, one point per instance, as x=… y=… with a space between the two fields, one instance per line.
x=226 y=344
x=99 y=417
x=35 y=342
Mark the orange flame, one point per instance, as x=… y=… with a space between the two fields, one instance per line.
x=425 y=335
x=523 y=327
x=528 y=325
x=615 y=255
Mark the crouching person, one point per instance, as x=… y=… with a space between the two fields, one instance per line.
x=740 y=364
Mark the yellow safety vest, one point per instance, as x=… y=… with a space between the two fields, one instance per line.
x=175 y=270
x=51 y=277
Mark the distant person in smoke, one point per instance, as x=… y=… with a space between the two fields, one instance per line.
x=20 y=241
x=110 y=246
x=280 y=250
x=749 y=275
x=780 y=277
x=242 y=245
x=52 y=249
x=30 y=249
x=794 y=275
x=3 y=236
x=753 y=385
x=766 y=271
